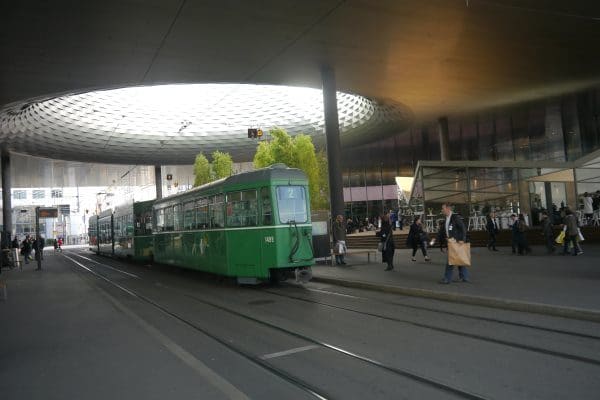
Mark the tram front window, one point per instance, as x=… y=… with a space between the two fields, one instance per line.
x=291 y=203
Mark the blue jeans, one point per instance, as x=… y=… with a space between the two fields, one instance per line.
x=463 y=273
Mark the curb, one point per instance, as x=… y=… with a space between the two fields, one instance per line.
x=492 y=302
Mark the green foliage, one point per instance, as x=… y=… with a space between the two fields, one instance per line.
x=222 y=165
x=297 y=152
x=202 y=172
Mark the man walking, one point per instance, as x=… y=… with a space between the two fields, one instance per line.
x=492 y=228
x=454 y=229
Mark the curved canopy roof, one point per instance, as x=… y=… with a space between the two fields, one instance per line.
x=433 y=57
x=171 y=124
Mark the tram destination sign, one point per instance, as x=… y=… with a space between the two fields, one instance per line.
x=48 y=212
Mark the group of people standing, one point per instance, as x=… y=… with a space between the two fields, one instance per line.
x=452 y=228
x=519 y=228
x=25 y=248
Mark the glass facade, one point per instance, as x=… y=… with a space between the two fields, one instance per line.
x=477 y=188
x=559 y=129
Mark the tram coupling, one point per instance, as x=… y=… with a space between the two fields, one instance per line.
x=303 y=274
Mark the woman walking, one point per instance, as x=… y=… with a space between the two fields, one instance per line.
x=417 y=237
x=387 y=241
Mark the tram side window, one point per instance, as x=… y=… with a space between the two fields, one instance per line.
x=129 y=227
x=202 y=213
x=189 y=217
x=169 y=222
x=215 y=210
x=117 y=223
x=177 y=217
x=291 y=202
x=143 y=224
x=242 y=208
x=160 y=220
x=265 y=202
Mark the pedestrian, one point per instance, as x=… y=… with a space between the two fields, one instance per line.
x=547 y=231
x=523 y=243
x=588 y=207
x=570 y=228
x=417 y=237
x=38 y=247
x=386 y=238
x=441 y=236
x=55 y=245
x=26 y=248
x=339 y=240
x=492 y=229
x=41 y=242
x=15 y=249
x=516 y=234
x=60 y=243
x=454 y=228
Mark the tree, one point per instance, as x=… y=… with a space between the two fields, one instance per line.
x=297 y=152
x=202 y=172
x=222 y=165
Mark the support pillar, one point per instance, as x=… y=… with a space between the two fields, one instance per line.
x=6 y=195
x=158 y=181
x=332 y=134
x=6 y=207
x=444 y=139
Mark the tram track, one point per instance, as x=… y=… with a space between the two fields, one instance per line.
x=307 y=387
x=304 y=386
x=452 y=313
x=456 y=332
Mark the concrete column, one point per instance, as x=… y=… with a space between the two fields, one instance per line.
x=332 y=134
x=6 y=198
x=444 y=139
x=158 y=181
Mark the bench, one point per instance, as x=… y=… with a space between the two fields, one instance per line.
x=351 y=252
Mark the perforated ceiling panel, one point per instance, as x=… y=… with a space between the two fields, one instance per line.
x=171 y=124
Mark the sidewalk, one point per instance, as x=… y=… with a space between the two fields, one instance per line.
x=548 y=284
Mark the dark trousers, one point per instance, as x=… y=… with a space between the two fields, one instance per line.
x=549 y=243
x=423 y=246
x=572 y=239
x=492 y=242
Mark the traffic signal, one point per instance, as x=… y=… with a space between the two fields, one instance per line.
x=259 y=133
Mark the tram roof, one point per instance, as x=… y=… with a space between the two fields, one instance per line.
x=275 y=172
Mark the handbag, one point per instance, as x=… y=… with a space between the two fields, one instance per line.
x=581 y=238
x=560 y=239
x=459 y=253
x=380 y=247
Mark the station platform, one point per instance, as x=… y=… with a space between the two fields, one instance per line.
x=62 y=337
x=547 y=284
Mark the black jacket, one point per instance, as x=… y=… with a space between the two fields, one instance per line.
x=491 y=226
x=456 y=229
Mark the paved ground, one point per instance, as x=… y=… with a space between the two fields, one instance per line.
x=548 y=279
x=92 y=327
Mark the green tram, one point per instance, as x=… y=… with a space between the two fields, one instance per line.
x=93 y=233
x=253 y=226
x=125 y=232
x=132 y=231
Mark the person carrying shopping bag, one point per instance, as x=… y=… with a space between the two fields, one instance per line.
x=338 y=230
x=456 y=234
